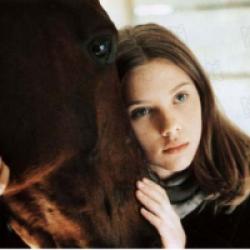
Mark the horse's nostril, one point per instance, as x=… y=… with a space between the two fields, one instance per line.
x=102 y=49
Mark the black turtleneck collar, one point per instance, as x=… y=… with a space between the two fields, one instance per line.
x=183 y=190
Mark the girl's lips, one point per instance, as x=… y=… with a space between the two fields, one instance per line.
x=177 y=149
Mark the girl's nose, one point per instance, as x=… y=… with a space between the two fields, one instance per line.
x=169 y=127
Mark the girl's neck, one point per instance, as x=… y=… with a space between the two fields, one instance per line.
x=163 y=173
x=160 y=171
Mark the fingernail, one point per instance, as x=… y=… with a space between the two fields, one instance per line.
x=142 y=210
x=2 y=188
x=4 y=178
x=137 y=193
x=140 y=184
x=145 y=180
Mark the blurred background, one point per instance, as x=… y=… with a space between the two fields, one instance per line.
x=218 y=32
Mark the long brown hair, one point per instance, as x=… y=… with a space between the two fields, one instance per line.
x=221 y=163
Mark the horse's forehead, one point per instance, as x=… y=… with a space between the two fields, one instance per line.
x=51 y=21
x=80 y=6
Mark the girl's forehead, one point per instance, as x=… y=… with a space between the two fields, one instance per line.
x=157 y=73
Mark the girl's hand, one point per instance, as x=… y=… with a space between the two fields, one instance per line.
x=159 y=212
x=4 y=176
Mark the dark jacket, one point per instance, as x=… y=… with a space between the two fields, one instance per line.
x=205 y=229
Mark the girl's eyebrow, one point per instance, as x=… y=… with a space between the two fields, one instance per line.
x=136 y=102
x=179 y=86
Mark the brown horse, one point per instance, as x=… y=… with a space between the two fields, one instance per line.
x=73 y=171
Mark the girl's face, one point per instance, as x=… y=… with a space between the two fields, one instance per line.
x=165 y=113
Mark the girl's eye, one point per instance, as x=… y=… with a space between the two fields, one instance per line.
x=181 y=97
x=139 y=112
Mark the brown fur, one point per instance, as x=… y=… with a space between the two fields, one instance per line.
x=62 y=132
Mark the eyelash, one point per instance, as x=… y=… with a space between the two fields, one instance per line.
x=181 y=94
x=140 y=112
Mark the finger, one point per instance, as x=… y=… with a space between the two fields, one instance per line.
x=154 y=185
x=150 y=204
x=157 y=187
x=4 y=176
x=151 y=191
x=154 y=220
x=1 y=166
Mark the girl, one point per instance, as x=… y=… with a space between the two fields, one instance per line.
x=192 y=150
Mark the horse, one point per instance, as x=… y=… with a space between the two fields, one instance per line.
x=73 y=170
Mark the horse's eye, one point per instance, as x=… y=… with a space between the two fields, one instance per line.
x=102 y=49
